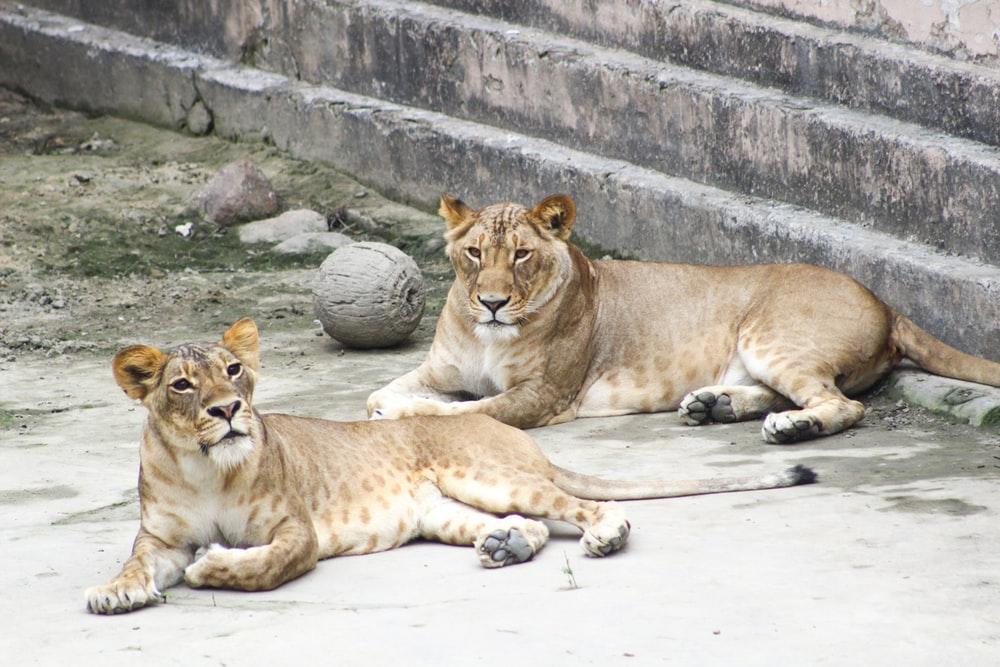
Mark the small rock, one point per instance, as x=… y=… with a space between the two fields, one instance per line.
x=238 y=193
x=361 y=194
x=313 y=242
x=433 y=244
x=365 y=222
x=283 y=227
x=95 y=143
x=185 y=230
x=199 y=119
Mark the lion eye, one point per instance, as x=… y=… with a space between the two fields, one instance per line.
x=521 y=253
x=473 y=252
x=234 y=369
x=180 y=385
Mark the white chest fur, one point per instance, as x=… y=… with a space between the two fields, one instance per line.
x=209 y=513
x=485 y=369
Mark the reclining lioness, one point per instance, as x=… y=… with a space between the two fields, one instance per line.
x=535 y=333
x=270 y=494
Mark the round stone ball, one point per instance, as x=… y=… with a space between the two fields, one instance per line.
x=369 y=295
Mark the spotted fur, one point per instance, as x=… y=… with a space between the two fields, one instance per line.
x=234 y=499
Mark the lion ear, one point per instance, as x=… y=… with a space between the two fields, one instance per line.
x=454 y=211
x=137 y=369
x=243 y=340
x=557 y=213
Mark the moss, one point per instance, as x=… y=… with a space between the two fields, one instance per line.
x=991 y=419
x=111 y=249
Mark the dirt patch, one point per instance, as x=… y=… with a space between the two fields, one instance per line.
x=20 y=496
x=89 y=252
x=950 y=506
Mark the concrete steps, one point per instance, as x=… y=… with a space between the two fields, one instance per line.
x=893 y=176
x=897 y=177
x=637 y=206
x=803 y=59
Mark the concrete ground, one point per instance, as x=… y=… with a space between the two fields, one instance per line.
x=892 y=556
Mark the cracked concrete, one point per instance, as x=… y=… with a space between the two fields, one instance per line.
x=892 y=556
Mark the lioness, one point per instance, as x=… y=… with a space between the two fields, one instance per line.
x=535 y=333
x=281 y=492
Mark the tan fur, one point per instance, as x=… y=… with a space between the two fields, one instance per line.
x=580 y=338
x=234 y=499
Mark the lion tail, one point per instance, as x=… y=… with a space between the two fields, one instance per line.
x=940 y=358
x=596 y=488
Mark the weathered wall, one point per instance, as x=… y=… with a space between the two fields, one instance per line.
x=223 y=28
x=963 y=29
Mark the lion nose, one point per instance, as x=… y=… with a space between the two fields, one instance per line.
x=493 y=304
x=225 y=411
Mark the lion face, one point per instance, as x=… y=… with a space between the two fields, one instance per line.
x=199 y=396
x=511 y=259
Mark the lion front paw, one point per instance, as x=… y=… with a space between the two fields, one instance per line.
x=122 y=595
x=210 y=568
x=389 y=406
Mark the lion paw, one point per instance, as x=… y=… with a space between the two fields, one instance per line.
x=390 y=406
x=782 y=428
x=703 y=406
x=121 y=595
x=207 y=564
x=602 y=540
x=504 y=547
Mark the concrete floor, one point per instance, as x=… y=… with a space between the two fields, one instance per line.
x=891 y=558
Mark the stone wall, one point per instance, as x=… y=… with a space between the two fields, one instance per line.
x=963 y=29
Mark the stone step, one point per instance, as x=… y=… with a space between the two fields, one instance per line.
x=415 y=154
x=837 y=65
x=895 y=177
x=840 y=66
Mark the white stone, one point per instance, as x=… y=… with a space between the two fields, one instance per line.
x=313 y=242
x=283 y=227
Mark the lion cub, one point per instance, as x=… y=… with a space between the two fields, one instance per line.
x=538 y=334
x=270 y=494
